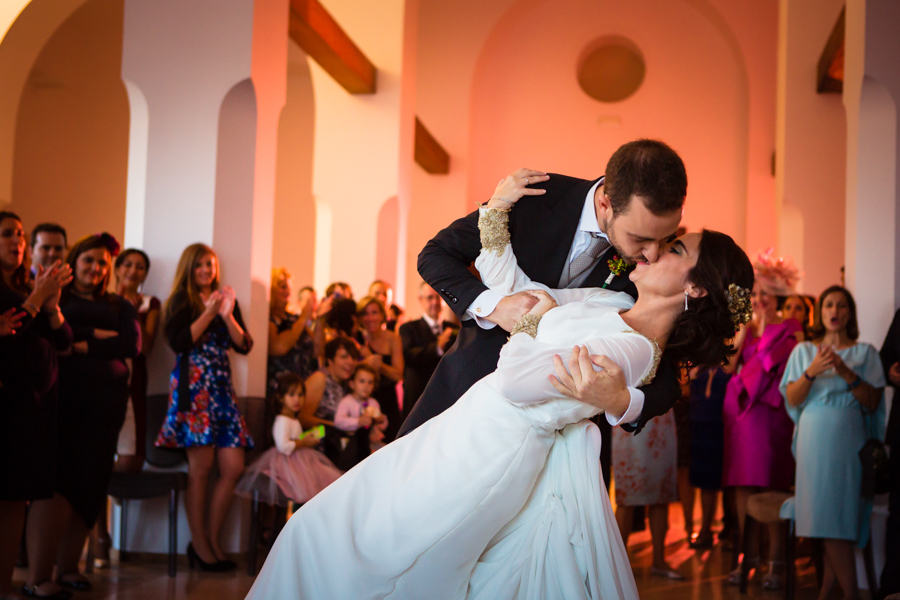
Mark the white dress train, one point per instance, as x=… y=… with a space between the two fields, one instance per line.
x=499 y=497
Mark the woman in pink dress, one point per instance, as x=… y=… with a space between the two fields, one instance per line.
x=757 y=428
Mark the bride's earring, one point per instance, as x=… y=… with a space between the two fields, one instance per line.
x=685 y=301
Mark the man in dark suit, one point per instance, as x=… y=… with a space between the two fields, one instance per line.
x=563 y=237
x=425 y=341
x=890 y=359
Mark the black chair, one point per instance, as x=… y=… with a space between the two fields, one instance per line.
x=151 y=484
x=765 y=508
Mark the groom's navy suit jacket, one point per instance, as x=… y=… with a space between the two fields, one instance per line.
x=542 y=229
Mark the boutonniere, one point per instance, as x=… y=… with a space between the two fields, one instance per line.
x=617 y=266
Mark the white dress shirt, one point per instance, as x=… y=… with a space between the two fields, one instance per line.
x=487 y=301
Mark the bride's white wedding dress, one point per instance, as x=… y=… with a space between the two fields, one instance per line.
x=498 y=497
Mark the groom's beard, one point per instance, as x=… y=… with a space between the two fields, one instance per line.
x=617 y=251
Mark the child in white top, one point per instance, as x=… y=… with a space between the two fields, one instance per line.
x=292 y=470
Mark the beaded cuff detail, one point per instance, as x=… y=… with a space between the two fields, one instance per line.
x=657 y=355
x=527 y=324
x=493 y=223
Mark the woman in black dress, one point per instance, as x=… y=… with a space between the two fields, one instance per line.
x=35 y=330
x=131 y=269
x=383 y=351
x=93 y=396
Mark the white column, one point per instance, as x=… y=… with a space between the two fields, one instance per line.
x=358 y=147
x=871 y=90
x=206 y=82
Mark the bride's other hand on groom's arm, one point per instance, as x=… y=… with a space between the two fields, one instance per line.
x=510 y=309
x=606 y=389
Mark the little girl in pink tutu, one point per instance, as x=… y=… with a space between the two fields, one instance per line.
x=292 y=470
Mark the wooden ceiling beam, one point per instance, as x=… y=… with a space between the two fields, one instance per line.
x=830 y=72
x=430 y=155
x=320 y=36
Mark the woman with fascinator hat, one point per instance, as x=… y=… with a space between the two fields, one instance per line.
x=757 y=428
x=501 y=495
x=93 y=397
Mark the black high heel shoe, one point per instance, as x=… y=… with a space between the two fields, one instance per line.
x=220 y=566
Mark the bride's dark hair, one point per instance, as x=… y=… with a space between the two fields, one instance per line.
x=701 y=333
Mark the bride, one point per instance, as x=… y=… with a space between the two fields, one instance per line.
x=501 y=497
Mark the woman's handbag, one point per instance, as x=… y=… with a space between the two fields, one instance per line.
x=875 y=472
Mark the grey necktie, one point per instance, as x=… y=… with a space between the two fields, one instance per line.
x=585 y=260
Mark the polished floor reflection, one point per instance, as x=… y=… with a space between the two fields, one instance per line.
x=705 y=570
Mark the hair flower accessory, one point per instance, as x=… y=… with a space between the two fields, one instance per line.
x=778 y=276
x=617 y=266
x=738 y=305
x=110 y=242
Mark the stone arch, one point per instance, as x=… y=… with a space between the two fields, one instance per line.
x=70 y=144
x=387 y=241
x=32 y=24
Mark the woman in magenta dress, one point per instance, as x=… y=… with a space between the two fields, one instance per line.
x=757 y=428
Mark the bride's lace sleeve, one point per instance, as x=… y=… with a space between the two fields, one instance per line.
x=497 y=262
x=525 y=364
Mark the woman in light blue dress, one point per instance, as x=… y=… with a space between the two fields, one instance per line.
x=833 y=387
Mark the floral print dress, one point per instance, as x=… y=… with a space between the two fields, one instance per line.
x=202 y=409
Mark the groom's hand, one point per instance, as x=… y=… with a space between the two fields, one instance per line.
x=510 y=309
x=606 y=389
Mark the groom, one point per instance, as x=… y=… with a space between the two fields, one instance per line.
x=564 y=238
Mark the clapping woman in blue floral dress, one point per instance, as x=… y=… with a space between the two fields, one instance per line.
x=202 y=322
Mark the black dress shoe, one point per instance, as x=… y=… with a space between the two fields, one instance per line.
x=227 y=565
x=33 y=593
x=220 y=566
x=79 y=585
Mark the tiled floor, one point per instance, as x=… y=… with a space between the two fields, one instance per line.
x=705 y=572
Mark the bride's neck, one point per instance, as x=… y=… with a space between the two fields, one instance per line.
x=653 y=317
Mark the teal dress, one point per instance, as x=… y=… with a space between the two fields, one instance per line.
x=830 y=430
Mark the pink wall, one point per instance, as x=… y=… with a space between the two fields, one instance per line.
x=528 y=110
x=71 y=145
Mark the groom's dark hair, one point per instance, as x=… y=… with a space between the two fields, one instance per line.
x=649 y=169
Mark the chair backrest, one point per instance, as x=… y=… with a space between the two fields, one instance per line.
x=163 y=458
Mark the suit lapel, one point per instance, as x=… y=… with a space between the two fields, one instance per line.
x=559 y=222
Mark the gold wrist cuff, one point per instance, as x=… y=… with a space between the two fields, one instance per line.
x=493 y=223
x=527 y=324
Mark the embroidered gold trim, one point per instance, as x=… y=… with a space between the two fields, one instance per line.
x=493 y=224
x=527 y=324
x=657 y=355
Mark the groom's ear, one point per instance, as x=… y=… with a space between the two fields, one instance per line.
x=603 y=207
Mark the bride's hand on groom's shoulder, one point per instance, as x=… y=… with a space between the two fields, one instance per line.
x=513 y=187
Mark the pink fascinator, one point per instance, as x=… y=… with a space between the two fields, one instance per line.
x=778 y=276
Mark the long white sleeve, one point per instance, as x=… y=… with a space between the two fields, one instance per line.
x=500 y=270
x=525 y=363
x=284 y=434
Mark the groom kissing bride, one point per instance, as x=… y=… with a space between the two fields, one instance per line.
x=495 y=491
x=566 y=238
